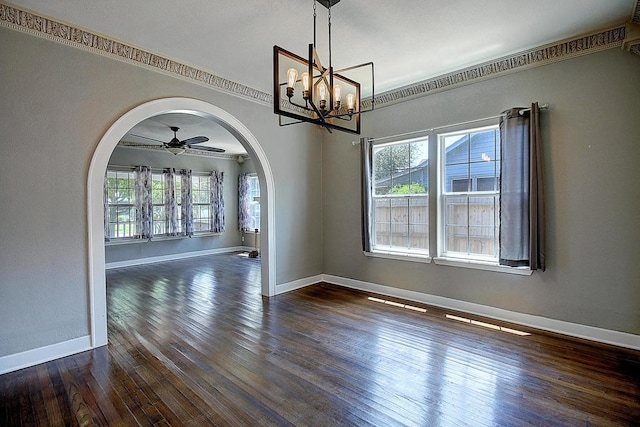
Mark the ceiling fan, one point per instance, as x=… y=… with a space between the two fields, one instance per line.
x=177 y=146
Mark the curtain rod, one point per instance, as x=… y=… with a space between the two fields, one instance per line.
x=544 y=106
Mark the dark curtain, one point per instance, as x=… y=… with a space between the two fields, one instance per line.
x=522 y=213
x=366 y=159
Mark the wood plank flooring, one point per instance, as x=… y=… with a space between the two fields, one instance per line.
x=192 y=343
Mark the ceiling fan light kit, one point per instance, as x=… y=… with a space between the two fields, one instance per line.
x=305 y=91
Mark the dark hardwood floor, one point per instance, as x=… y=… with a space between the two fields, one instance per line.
x=192 y=343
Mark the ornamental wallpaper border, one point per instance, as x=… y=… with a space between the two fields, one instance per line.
x=34 y=24
x=15 y=18
x=555 y=52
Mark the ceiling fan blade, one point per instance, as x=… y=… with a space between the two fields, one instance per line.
x=205 y=148
x=195 y=140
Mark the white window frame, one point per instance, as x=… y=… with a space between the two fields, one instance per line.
x=444 y=253
x=157 y=174
x=131 y=224
x=254 y=201
x=158 y=225
x=201 y=224
x=394 y=251
x=436 y=225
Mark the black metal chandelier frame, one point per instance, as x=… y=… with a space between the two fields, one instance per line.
x=319 y=99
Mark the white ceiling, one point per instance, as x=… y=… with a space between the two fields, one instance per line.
x=156 y=130
x=408 y=40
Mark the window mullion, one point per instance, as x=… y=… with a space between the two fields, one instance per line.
x=407 y=243
x=468 y=225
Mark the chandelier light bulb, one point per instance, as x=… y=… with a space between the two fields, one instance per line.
x=322 y=95
x=292 y=77
x=337 y=96
x=351 y=103
x=305 y=85
x=322 y=91
x=337 y=92
x=305 y=81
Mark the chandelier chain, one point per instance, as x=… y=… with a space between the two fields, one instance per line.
x=329 y=8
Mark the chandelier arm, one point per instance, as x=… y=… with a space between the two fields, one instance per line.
x=304 y=107
x=328 y=114
x=345 y=116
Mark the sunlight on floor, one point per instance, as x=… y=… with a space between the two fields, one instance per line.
x=397 y=304
x=488 y=325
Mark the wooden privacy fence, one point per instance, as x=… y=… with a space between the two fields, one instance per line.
x=402 y=222
x=471 y=223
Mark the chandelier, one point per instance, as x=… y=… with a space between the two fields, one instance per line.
x=306 y=91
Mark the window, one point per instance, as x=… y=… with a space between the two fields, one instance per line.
x=460 y=185
x=400 y=197
x=469 y=194
x=201 y=197
x=178 y=184
x=254 y=202
x=489 y=198
x=157 y=199
x=487 y=184
x=121 y=211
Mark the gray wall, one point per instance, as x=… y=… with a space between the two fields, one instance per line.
x=231 y=237
x=592 y=149
x=57 y=103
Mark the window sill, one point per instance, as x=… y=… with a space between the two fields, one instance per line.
x=413 y=257
x=482 y=265
x=131 y=240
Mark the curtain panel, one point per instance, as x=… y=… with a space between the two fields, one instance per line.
x=172 y=225
x=244 y=214
x=366 y=159
x=143 y=202
x=187 y=202
x=522 y=211
x=216 y=210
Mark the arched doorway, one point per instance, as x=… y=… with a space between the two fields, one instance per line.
x=95 y=219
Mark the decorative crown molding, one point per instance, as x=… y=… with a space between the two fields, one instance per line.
x=48 y=28
x=555 y=52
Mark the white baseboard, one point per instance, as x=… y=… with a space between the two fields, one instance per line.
x=13 y=362
x=606 y=336
x=182 y=255
x=297 y=284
